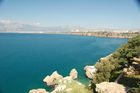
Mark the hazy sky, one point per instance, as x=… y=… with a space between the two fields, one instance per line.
x=88 y=13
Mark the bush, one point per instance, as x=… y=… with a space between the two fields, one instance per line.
x=103 y=73
x=106 y=70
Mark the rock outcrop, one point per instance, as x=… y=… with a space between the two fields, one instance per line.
x=53 y=79
x=136 y=59
x=129 y=71
x=105 y=58
x=38 y=91
x=136 y=62
x=105 y=34
x=110 y=87
x=136 y=65
x=74 y=74
x=90 y=71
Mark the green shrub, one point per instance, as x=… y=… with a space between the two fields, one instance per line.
x=106 y=70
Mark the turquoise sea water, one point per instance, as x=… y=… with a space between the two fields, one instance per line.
x=25 y=59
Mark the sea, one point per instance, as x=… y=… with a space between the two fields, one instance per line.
x=26 y=59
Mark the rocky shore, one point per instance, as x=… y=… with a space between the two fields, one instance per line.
x=123 y=80
x=58 y=81
x=90 y=71
x=110 y=87
x=105 y=34
x=61 y=83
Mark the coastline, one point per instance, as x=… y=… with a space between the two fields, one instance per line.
x=36 y=84
x=74 y=81
x=107 y=34
x=94 y=34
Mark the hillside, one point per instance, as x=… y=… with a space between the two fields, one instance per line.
x=112 y=34
x=124 y=62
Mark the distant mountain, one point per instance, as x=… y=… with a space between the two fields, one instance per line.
x=8 y=26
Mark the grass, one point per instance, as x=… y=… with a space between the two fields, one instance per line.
x=75 y=87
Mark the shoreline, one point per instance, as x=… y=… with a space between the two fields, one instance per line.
x=94 y=34
x=106 y=34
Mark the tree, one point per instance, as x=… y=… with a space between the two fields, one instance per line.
x=117 y=61
x=103 y=72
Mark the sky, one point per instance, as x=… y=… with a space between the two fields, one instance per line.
x=121 y=14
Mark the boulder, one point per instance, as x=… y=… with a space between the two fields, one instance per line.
x=38 y=91
x=53 y=79
x=85 y=68
x=110 y=87
x=74 y=74
x=90 y=71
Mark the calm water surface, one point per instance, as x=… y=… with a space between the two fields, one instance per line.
x=25 y=59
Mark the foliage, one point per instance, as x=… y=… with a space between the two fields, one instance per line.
x=75 y=87
x=106 y=69
x=126 y=52
x=78 y=89
x=132 y=81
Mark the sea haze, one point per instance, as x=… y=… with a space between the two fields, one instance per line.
x=26 y=59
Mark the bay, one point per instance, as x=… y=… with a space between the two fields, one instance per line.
x=26 y=59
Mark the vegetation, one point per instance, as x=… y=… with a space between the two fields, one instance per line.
x=108 y=70
x=104 y=71
x=75 y=87
x=133 y=81
x=108 y=34
x=126 y=52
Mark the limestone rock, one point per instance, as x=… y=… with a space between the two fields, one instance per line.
x=89 y=71
x=105 y=58
x=135 y=63
x=53 y=79
x=136 y=59
x=38 y=91
x=125 y=70
x=74 y=74
x=110 y=87
x=129 y=71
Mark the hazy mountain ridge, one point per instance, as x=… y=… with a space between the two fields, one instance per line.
x=8 y=26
